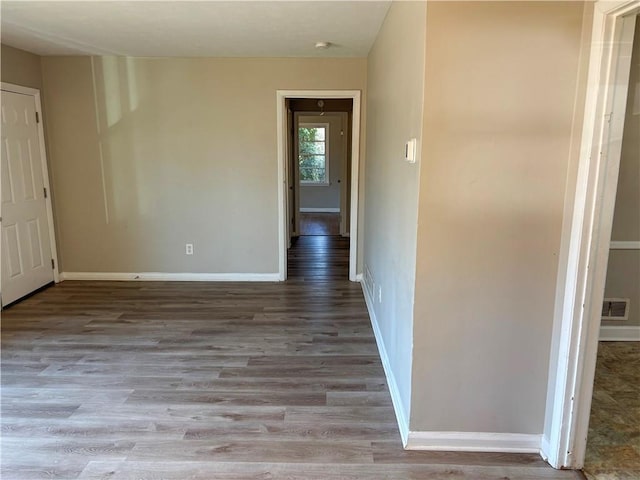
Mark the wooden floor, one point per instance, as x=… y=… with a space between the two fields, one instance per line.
x=319 y=223
x=137 y=380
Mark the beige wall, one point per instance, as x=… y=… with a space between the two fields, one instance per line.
x=395 y=92
x=623 y=271
x=150 y=154
x=500 y=88
x=20 y=67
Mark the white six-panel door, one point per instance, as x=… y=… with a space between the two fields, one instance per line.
x=26 y=242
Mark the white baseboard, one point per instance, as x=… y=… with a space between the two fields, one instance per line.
x=319 y=210
x=401 y=416
x=172 y=277
x=359 y=278
x=444 y=441
x=619 y=334
x=474 y=442
x=615 y=245
x=545 y=447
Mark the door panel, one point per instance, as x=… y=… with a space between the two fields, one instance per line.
x=13 y=258
x=26 y=244
x=7 y=178
x=26 y=162
x=35 y=242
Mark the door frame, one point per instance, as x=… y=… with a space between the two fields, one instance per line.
x=581 y=288
x=344 y=173
x=283 y=183
x=34 y=92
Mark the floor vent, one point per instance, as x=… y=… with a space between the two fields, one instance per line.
x=615 y=309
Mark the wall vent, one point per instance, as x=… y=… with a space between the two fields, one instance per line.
x=615 y=309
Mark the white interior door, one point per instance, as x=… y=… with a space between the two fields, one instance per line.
x=26 y=243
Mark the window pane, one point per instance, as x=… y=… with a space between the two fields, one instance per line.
x=319 y=134
x=312 y=148
x=311 y=134
x=312 y=175
x=312 y=168
x=312 y=154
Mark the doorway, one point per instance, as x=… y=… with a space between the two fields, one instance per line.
x=320 y=163
x=585 y=253
x=614 y=421
x=28 y=247
x=315 y=192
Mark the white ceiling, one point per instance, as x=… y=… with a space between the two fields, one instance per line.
x=193 y=28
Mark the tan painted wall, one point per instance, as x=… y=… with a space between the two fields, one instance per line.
x=20 y=67
x=623 y=272
x=500 y=89
x=149 y=154
x=395 y=93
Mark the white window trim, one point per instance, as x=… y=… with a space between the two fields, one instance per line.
x=327 y=134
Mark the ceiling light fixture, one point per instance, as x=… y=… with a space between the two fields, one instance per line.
x=323 y=45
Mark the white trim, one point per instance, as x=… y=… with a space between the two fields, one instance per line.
x=319 y=210
x=359 y=278
x=614 y=333
x=283 y=194
x=344 y=174
x=443 y=441
x=582 y=289
x=474 y=442
x=34 y=92
x=172 y=277
x=281 y=96
x=618 y=245
x=544 y=447
x=396 y=400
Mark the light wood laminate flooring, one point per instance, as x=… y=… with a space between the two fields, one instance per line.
x=160 y=380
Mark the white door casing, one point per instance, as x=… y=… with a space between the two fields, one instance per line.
x=28 y=248
x=281 y=125
x=581 y=289
x=346 y=129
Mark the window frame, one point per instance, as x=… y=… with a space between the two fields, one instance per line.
x=311 y=183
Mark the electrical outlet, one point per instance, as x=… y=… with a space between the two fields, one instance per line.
x=188 y=249
x=379 y=294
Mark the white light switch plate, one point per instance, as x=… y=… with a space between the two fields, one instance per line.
x=410 y=150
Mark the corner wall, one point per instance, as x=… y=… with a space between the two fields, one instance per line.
x=500 y=89
x=20 y=67
x=395 y=87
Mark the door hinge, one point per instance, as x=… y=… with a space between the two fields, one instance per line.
x=45 y=192
x=53 y=264
x=37 y=117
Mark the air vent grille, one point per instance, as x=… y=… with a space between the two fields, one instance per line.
x=615 y=309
